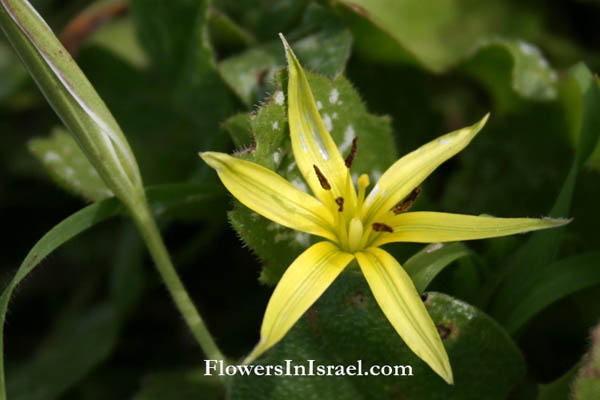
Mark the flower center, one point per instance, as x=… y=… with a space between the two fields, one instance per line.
x=350 y=229
x=352 y=234
x=355 y=234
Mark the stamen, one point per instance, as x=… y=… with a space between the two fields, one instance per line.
x=340 y=202
x=352 y=154
x=363 y=183
x=381 y=227
x=322 y=180
x=405 y=204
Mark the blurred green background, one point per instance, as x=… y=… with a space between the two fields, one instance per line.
x=173 y=72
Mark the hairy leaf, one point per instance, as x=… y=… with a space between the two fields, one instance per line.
x=347 y=314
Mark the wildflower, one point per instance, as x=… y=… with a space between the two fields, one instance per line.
x=354 y=224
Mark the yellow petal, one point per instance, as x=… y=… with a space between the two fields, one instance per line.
x=311 y=142
x=400 y=302
x=300 y=286
x=267 y=193
x=434 y=227
x=409 y=171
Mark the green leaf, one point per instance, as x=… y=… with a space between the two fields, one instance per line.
x=433 y=38
x=424 y=266
x=511 y=67
x=181 y=385
x=164 y=197
x=538 y=253
x=552 y=283
x=67 y=165
x=346 y=116
x=174 y=35
x=485 y=361
x=472 y=36
x=321 y=41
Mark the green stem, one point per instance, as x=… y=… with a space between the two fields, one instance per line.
x=156 y=246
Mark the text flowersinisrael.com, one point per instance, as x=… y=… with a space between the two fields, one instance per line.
x=311 y=368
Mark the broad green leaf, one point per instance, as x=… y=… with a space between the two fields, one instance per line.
x=436 y=36
x=267 y=143
x=67 y=165
x=586 y=385
x=472 y=36
x=508 y=67
x=174 y=35
x=347 y=314
x=538 y=253
x=162 y=197
x=180 y=385
x=425 y=265
x=249 y=72
x=321 y=42
x=73 y=98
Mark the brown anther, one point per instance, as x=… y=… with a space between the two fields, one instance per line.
x=340 y=202
x=405 y=204
x=322 y=180
x=381 y=227
x=352 y=154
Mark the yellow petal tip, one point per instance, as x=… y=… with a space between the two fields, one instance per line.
x=482 y=121
x=211 y=158
x=552 y=222
x=289 y=53
x=285 y=43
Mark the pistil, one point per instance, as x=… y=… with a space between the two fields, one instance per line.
x=355 y=234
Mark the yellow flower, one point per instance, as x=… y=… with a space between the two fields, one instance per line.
x=354 y=224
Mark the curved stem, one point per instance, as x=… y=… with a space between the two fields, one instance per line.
x=156 y=246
